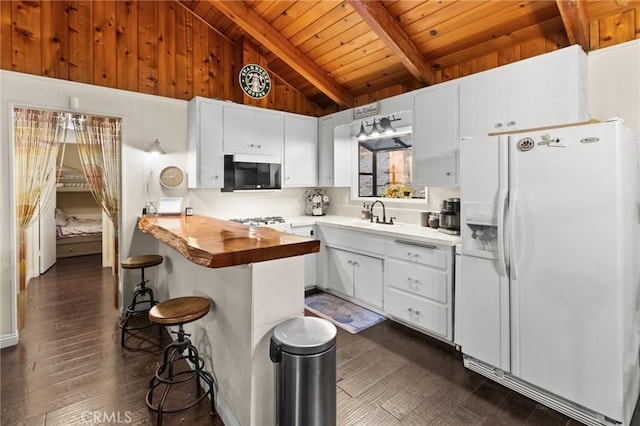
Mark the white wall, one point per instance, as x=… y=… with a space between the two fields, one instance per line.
x=614 y=83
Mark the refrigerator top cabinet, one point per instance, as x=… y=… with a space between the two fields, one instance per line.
x=557 y=288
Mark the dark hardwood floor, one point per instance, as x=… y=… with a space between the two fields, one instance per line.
x=69 y=369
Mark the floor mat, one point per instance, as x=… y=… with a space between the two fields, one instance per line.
x=344 y=314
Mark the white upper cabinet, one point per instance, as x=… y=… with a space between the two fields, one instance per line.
x=483 y=104
x=325 y=151
x=545 y=90
x=300 y=151
x=251 y=130
x=205 y=155
x=435 y=136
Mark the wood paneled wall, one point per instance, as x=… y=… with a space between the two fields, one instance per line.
x=154 y=47
x=282 y=97
x=161 y=48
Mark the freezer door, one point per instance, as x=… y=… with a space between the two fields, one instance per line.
x=565 y=283
x=485 y=312
x=484 y=287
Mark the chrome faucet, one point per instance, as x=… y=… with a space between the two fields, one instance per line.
x=384 y=214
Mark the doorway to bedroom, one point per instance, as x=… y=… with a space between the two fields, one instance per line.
x=66 y=173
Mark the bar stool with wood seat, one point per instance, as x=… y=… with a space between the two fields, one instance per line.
x=172 y=312
x=143 y=299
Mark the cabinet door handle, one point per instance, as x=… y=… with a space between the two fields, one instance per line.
x=416 y=243
x=350 y=262
x=498 y=125
x=356 y=264
x=449 y=173
x=511 y=123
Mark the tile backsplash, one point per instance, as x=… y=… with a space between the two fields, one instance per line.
x=290 y=202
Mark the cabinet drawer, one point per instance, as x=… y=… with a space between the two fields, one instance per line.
x=418 y=279
x=415 y=310
x=424 y=253
x=356 y=241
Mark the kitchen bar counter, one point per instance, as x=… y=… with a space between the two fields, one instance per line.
x=217 y=243
x=254 y=277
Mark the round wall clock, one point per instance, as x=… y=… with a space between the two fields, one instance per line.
x=171 y=177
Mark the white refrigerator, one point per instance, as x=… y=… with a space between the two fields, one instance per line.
x=549 y=297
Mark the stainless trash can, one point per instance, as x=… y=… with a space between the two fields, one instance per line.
x=304 y=353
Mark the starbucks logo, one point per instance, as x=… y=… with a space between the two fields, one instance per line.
x=255 y=81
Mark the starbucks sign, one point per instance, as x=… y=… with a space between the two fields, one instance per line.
x=255 y=81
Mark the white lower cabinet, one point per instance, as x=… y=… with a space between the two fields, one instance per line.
x=356 y=275
x=419 y=286
x=309 y=259
x=410 y=281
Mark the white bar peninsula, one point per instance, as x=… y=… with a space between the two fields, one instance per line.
x=254 y=278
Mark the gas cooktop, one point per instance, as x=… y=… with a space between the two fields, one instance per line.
x=260 y=221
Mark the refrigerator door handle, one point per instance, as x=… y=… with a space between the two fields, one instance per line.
x=511 y=235
x=502 y=266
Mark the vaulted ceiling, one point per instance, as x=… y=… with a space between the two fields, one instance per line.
x=333 y=51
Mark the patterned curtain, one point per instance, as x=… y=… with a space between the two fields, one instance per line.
x=99 y=148
x=37 y=136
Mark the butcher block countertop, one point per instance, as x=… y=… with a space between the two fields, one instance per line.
x=217 y=243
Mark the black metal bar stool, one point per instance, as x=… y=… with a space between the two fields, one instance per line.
x=180 y=311
x=143 y=299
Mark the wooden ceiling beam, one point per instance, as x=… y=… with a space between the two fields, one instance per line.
x=389 y=30
x=243 y=16
x=575 y=22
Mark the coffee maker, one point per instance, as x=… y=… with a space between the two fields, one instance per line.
x=450 y=216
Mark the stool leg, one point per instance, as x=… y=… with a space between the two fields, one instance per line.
x=142 y=291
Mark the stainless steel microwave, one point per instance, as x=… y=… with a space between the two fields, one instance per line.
x=246 y=172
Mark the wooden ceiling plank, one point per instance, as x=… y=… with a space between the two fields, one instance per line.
x=470 y=30
x=375 y=47
x=596 y=9
x=337 y=31
x=336 y=16
x=301 y=15
x=575 y=22
x=339 y=48
x=499 y=43
x=388 y=29
x=252 y=24
x=273 y=9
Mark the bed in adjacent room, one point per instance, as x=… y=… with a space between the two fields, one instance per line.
x=77 y=236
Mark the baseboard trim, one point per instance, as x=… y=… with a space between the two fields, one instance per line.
x=7 y=340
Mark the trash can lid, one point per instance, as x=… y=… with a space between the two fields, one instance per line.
x=305 y=335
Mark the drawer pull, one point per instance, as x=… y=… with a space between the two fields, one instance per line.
x=413 y=311
x=349 y=262
x=356 y=263
x=416 y=243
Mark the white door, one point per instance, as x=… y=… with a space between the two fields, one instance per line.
x=268 y=132
x=484 y=289
x=483 y=104
x=325 y=151
x=300 y=151
x=565 y=290
x=211 y=158
x=340 y=271
x=48 y=236
x=435 y=137
x=368 y=280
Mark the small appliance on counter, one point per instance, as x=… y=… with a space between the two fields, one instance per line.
x=317 y=202
x=450 y=216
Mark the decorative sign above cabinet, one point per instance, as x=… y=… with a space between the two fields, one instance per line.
x=255 y=81
x=365 y=110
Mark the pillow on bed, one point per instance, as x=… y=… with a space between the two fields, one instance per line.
x=61 y=217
